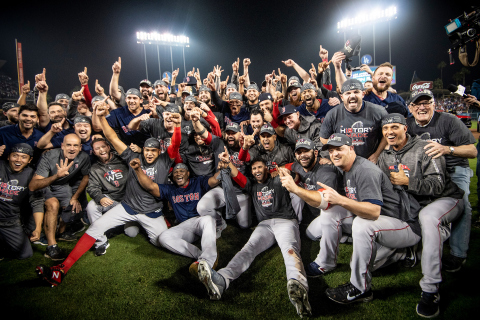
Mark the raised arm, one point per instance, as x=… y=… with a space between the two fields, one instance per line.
x=146 y=183
x=337 y=59
x=100 y=112
x=23 y=95
x=42 y=104
x=38 y=182
x=301 y=72
x=114 y=92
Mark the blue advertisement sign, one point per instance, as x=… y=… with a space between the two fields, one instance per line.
x=366 y=59
x=363 y=76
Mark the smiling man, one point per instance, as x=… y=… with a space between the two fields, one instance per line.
x=450 y=138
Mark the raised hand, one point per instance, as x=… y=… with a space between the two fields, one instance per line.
x=57 y=127
x=323 y=53
x=235 y=65
x=135 y=164
x=337 y=59
x=313 y=72
x=224 y=156
x=175 y=74
x=246 y=63
x=241 y=80
x=190 y=73
x=283 y=77
x=289 y=63
x=2 y=150
x=98 y=88
x=218 y=71
x=101 y=109
x=135 y=148
x=210 y=84
x=62 y=169
x=223 y=84
x=367 y=69
x=323 y=65
x=195 y=114
x=26 y=88
x=205 y=108
x=41 y=82
x=40 y=77
x=117 y=66
x=82 y=76
x=78 y=95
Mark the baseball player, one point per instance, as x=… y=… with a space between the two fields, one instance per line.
x=426 y=178
x=138 y=204
x=277 y=223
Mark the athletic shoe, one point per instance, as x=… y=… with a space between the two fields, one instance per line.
x=428 y=305
x=53 y=275
x=299 y=298
x=102 y=249
x=220 y=228
x=55 y=253
x=67 y=236
x=42 y=241
x=213 y=281
x=193 y=269
x=450 y=263
x=313 y=270
x=348 y=293
x=410 y=260
x=76 y=227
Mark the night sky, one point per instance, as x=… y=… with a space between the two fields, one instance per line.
x=67 y=36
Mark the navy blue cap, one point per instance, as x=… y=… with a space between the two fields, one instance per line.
x=288 y=109
x=265 y=96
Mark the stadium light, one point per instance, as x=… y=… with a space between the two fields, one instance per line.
x=163 y=39
x=363 y=18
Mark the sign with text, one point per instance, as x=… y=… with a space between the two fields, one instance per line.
x=421 y=85
x=363 y=76
x=18 y=47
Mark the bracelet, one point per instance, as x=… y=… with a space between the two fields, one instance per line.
x=202 y=132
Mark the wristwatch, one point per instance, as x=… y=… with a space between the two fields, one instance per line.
x=451 y=150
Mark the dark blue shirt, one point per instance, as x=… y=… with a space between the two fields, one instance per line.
x=393 y=103
x=321 y=112
x=119 y=119
x=184 y=200
x=11 y=135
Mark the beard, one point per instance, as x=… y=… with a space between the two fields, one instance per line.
x=380 y=90
x=310 y=163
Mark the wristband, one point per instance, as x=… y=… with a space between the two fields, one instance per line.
x=202 y=132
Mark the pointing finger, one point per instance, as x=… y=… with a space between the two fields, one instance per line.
x=85 y=70
x=120 y=60
x=96 y=82
x=324 y=186
x=44 y=70
x=81 y=90
x=28 y=83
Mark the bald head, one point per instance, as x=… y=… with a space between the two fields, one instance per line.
x=71 y=146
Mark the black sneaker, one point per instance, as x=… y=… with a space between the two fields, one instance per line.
x=42 y=241
x=428 y=305
x=55 y=253
x=450 y=263
x=67 y=236
x=410 y=260
x=53 y=275
x=348 y=293
x=101 y=250
x=76 y=227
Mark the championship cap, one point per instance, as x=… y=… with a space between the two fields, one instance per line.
x=393 y=118
x=352 y=84
x=190 y=98
x=9 y=105
x=133 y=91
x=152 y=143
x=308 y=86
x=294 y=84
x=253 y=86
x=61 y=96
x=160 y=83
x=267 y=128
x=233 y=126
x=293 y=78
x=82 y=119
x=264 y=96
x=204 y=88
x=337 y=140
x=172 y=109
x=235 y=96
x=232 y=85
x=304 y=143
x=180 y=166
x=352 y=46
x=186 y=91
x=22 y=148
x=97 y=98
x=190 y=81
x=414 y=95
x=288 y=109
x=145 y=81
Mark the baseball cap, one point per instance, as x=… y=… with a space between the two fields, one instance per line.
x=204 y=88
x=180 y=166
x=190 y=81
x=288 y=109
x=152 y=143
x=352 y=46
x=233 y=126
x=265 y=96
x=190 y=98
x=352 y=84
x=267 y=128
x=414 y=95
x=232 y=85
x=308 y=86
x=97 y=98
x=293 y=78
x=253 y=86
x=22 y=148
x=61 y=96
x=393 y=118
x=145 y=81
x=295 y=84
x=133 y=91
x=9 y=105
x=304 y=143
x=160 y=83
x=186 y=91
x=82 y=119
x=235 y=96
x=337 y=140
x=172 y=109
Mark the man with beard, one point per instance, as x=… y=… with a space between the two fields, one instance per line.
x=359 y=119
x=298 y=126
x=106 y=186
x=63 y=99
x=252 y=97
x=187 y=125
x=406 y=163
x=10 y=110
x=312 y=106
x=23 y=132
x=214 y=200
x=15 y=204
x=146 y=90
x=233 y=110
x=205 y=96
x=449 y=137
x=265 y=102
x=137 y=205
x=63 y=175
x=119 y=119
x=56 y=114
x=277 y=224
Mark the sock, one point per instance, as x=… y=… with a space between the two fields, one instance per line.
x=83 y=245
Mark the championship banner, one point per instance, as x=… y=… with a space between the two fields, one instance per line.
x=363 y=76
x=421 y=85
x=18 y=48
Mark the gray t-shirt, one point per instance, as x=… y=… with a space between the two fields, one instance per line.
x=136 y=197
x=47 y=167
x=364 y=127
x=154 y=128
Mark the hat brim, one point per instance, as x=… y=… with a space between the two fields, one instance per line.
x=332 y=144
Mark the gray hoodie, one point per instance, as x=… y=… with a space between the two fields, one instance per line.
x=428 y=179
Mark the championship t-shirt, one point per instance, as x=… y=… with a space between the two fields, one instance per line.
x=47 y=167
x=203 y=160
x=155 y=129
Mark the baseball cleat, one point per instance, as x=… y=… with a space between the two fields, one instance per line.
x=411 y=257
x=193 y=269
x=220 y=228
x=313 y=270
x=53 y=275
x=348 y=293
x=428 y=305
x=213 y=281
x=299 y=298
x=102 y=249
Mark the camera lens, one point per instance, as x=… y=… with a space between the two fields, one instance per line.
x=471 y=32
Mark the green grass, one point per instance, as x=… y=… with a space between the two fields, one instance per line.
x=136 y=280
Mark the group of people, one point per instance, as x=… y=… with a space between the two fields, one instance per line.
x=391 y=176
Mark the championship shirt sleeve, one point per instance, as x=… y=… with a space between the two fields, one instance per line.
x=459 y=133
x=369 y=186
x=326 y=130
x=129 y=155
x=43 y=167
x=164 y=191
